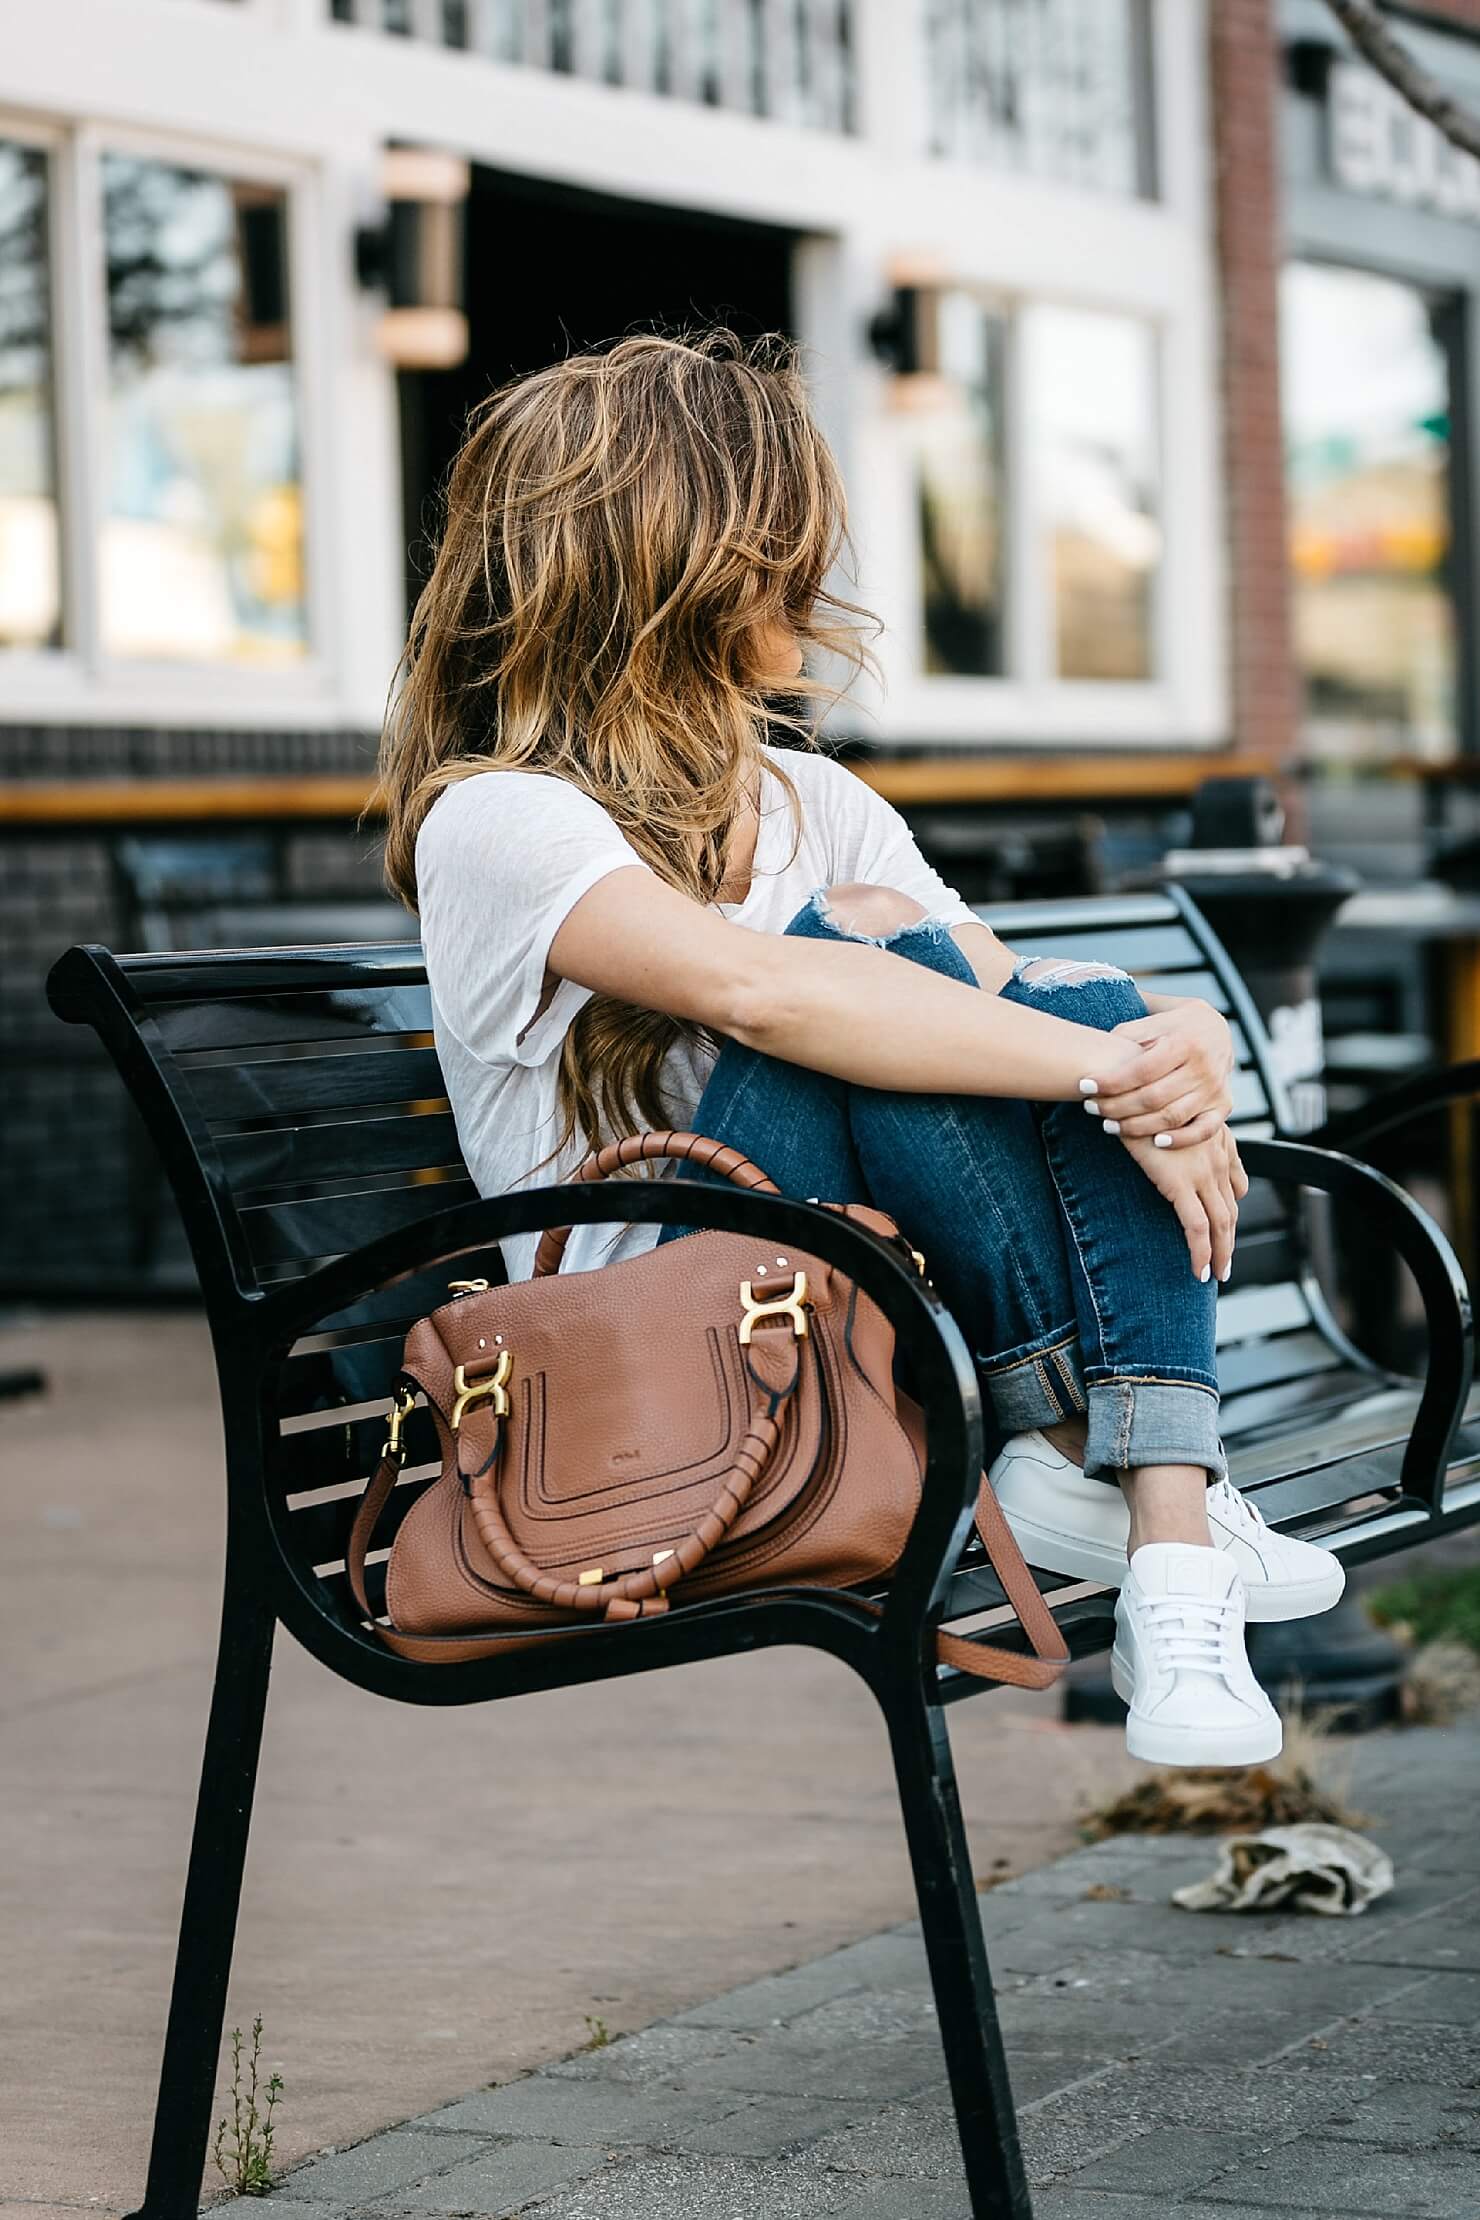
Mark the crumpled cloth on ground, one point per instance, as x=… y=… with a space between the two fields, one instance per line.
x=1312 y=1868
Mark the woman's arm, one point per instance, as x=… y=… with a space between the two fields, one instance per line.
x=842 y=1007
x=1177 y=1092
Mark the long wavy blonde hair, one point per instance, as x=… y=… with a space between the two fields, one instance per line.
x=618 y=528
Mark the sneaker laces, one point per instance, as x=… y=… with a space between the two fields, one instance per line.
x=1193 y=1634
x=1236 y=1508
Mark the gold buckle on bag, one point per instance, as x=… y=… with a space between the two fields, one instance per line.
x=792 y=1305
x=493 y=1386
x=402 y=1404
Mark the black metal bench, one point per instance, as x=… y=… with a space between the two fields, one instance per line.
x=296 y=1102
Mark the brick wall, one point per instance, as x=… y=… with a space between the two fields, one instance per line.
x=78 y=1171
x=1243 y=67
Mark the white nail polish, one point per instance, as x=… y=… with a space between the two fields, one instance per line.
x=1163 y=1140
x=1091 y=1105
x=1226 y=1274
x=1205 y=1274
x=1089 y=1086
x=1112 y=1125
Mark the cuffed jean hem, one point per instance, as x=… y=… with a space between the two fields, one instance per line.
x=1138 y=1421
x=1036 y=1385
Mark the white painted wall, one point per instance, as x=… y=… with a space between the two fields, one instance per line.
x=274 y=87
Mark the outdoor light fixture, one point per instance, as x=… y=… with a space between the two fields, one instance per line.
x=905 y=335
x=415 y=256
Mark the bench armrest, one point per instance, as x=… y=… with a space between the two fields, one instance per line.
x=928 y=1338
x=1435 y=1267
x=1398 y=1106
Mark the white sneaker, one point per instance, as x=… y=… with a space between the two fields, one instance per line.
x=1066 y=1521
x=1179 y=1662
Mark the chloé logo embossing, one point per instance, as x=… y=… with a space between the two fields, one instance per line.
x=625 y=1456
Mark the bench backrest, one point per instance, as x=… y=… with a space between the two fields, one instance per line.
x=297 y=1103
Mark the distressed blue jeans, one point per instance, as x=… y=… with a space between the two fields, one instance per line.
x=1066 y=1271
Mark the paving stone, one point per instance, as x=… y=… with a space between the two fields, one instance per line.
x=501 y=2177
x=1321 y=2175
x=1448 y=1940
x=1446 y=2056
x=661 y=2053
x=868 y=2016
x=292 y=2208
x=771 y=2003
x=1108 y=2204
x=386 y=2162
x=1165 y=2161
x=1404 y=2117
x=1040 y=2074
x=594 y=2112
x=786 y=2064
x=906 y=2200
x=662 y=2187
x=1443 y=1999
x=917 y=2141
x=1070 y=2130
x=778 y=2127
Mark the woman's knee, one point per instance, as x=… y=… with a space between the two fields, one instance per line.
x=869 y=912
x=1091 y=993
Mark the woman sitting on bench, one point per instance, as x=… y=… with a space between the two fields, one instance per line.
x=638 y=912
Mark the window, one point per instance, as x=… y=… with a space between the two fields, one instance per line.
x=1080 y=514
x=1059 y=88
x=1096 y=428
x=152 y=529
x=961 y=498
x=201 y=556
x=30 y=551
x=1366 y=400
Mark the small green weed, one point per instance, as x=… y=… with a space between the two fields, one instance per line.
x=243 y=2146
x=598 y=2034
x=1432 y=1606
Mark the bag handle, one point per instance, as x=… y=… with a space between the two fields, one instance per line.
x=642 y=1148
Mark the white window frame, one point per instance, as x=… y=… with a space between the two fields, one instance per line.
x=1018 y=243
x=24 y=668
x=80 y=677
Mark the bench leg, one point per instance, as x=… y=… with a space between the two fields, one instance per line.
x=957 y=1952
x=218 y=1849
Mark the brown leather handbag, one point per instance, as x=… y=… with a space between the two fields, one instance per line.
x=705 y=1417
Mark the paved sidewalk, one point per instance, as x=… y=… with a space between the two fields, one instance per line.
x=1215 y=2067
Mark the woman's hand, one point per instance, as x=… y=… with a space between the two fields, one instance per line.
x=1175 y=1090
x=1204 y=1183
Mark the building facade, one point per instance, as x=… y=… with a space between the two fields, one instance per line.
x=217 y=493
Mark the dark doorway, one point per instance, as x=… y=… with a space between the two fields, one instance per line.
x=552 y=270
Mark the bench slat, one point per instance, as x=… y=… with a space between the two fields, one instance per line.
x=396 y=1307
x=296 y=1155
x=308 y=1232
x=1166 y=949
x=284 y=1086
x=269 y=1020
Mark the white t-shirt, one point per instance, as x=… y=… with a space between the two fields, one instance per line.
x=503 y=857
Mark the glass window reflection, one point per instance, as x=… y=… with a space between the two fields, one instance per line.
x=1368 y=461
x=30 y=569
x=202 y=543
x=1095 y=410
x=961 y=497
